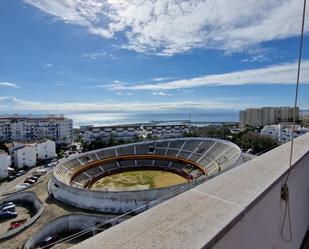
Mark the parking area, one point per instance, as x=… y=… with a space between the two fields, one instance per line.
x=25 y=180
x=53 y=209
x=24 y=213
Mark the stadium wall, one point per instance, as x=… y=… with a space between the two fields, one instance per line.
x=72 y=222
x=112 y=201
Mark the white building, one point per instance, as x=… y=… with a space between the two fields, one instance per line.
x=46 y=149
x=282 y=132
x=27 y=153
x=54 y=127
x=165 y=130
x=125 y=132
x=5 y=162
x=24 y=156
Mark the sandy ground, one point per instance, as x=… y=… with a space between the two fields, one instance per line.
x=138 y=180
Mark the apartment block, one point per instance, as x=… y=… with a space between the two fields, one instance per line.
x=266 y=115
x=28 y=128
x=166 y=131
x=125 y=132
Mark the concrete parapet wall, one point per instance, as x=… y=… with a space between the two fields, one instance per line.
x=261 y=226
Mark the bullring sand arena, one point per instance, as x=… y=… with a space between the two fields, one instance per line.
x=138 y=180
x=93 y=188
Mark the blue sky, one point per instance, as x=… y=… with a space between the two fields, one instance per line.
x=69 y=56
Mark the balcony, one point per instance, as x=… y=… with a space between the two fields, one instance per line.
x=241 y=209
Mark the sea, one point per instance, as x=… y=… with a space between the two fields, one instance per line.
x=105 y=119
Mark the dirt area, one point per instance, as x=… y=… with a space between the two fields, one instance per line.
x=53 y=209
x=138 y=180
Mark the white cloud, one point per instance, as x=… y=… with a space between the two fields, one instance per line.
x=97 y=55
x=185 y=91
x=47 y=65
x=159 y=79
x=13 y=104
x=161 y=94
x=274 y=74
x=115 y=84
x=167 y=27
x=256 y=58
x=9 y=84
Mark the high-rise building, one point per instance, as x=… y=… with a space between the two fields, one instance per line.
x=266 y=115
x=251 y=117
x=53 y=127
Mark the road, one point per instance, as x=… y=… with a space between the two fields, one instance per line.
x=10 y=186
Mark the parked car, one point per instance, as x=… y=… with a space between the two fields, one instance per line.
x=11 y=178
x=17 y=223
x=49 y=240
x=51 y=164
x=22 y=185
x=34 y=178
x=7 y=215
x=21 y=172
x=8 y=208
x=250 y=151
x=29 y=180
x=39 y=172
x=5 y=203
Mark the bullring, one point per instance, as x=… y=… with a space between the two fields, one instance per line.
x=193 y=159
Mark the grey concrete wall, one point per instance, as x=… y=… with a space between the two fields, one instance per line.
x=111 y=201
x=30 y=199
x=260 y=228
x=66 y=223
